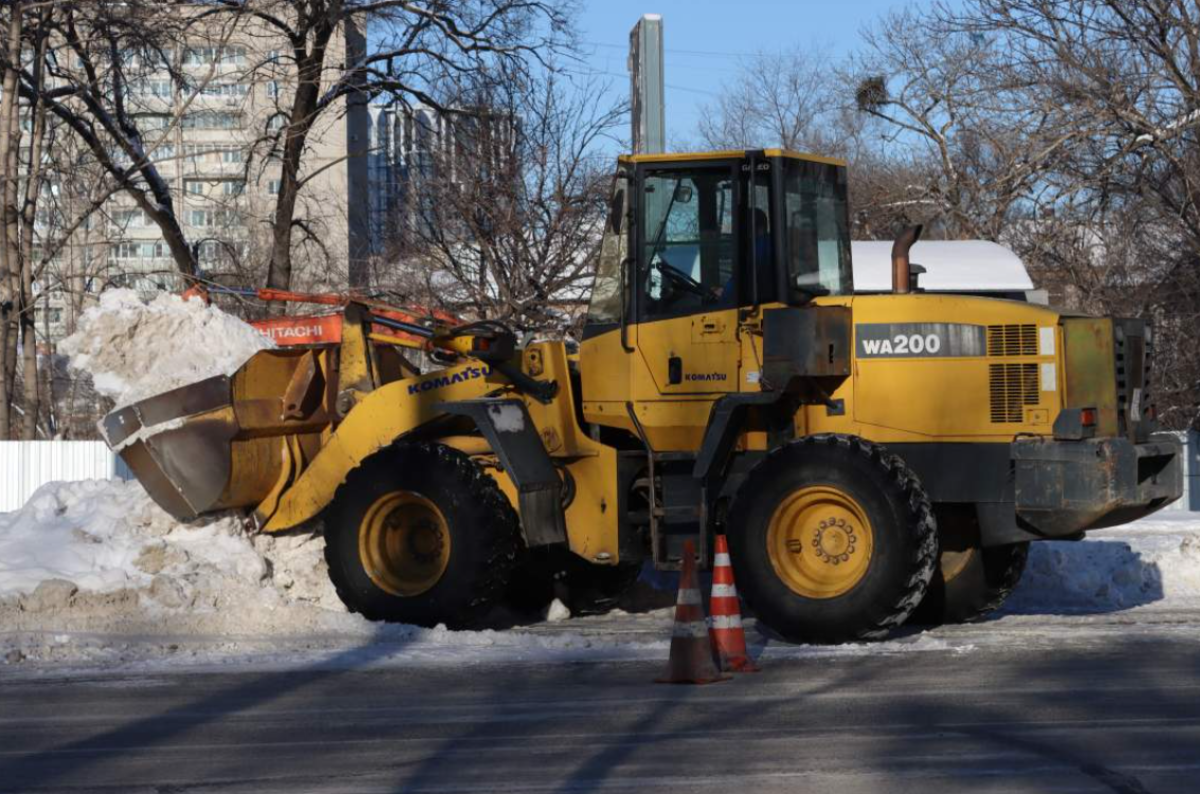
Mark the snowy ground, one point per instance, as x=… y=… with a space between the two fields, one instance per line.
x=94 y=575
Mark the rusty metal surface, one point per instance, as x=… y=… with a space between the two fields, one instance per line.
x=806 y=343
x=1090 y=374
x=233 y=440
x=1066 y=487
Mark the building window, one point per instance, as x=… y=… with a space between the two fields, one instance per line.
x=211 y=120
x=231 y=90
x=194 y=187
x=134 y=250
x=276 y=122
x=273 y=89
x=231 y=155
x=129 y=219
x=215 y=218
x=205 y=56
x=153 y=121
x=152 y=88
x=273 y=187
x=233 y=188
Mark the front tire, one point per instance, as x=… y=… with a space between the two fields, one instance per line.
x=832 y=540
x=419 y=534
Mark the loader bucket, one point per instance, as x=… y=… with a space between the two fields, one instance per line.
x=222 y=442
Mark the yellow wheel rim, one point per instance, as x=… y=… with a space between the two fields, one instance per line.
x=404 y=543
x=820 y=541
x=954 y=562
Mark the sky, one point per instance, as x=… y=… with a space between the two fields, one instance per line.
x=707 y=40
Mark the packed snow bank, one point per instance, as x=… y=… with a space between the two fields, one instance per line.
x=96 y=552
x=135 y=349
x=1153 y=562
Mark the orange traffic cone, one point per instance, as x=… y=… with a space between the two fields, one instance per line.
x=691 y=650
x=728 y=637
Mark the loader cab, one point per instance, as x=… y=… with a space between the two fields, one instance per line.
x=694 y=244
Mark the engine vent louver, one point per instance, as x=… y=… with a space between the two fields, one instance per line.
x=1013 y=386
x=1012 y=340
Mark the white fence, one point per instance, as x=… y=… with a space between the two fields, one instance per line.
x=1191 y=473
x=25 y=466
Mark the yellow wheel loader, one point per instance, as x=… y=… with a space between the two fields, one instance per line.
x=867 y=456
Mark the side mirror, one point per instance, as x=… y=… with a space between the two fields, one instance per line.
x=683 y=194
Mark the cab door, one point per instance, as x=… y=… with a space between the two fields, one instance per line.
x=685 y=280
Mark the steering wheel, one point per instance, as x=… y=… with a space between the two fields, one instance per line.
x=681 y=280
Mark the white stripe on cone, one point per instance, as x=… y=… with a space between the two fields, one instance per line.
x=726 y=621
x=689 y=597
x=724 y=591
x=721 y=559
x=694 y=630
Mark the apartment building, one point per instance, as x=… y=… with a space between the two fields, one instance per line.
x=412 y=145
x=212 y=140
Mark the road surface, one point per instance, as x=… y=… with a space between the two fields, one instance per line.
x=1113 y=714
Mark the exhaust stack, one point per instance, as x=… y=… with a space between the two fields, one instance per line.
x=901 y=274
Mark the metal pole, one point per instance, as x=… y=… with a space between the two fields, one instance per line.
x=648 y=111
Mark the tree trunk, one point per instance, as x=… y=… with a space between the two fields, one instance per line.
x=33 y=186
x=304 y=109
x=9 y=128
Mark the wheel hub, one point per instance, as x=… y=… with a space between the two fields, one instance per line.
x=820 y=541
x=404 y=543
x=833 y=540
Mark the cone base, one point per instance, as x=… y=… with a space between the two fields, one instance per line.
x=696 y=681
x=741 y=664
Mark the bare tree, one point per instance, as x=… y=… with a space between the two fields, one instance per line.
x=1118 y=211
x=968 y=134
x=413 y=45
x=781 y=99
x=507 y=214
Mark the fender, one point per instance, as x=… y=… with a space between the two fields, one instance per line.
x=379 y=418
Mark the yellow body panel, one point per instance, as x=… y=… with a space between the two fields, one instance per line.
x=907 y=399
x=705 y=343
x=379 y=418
x=945 y=399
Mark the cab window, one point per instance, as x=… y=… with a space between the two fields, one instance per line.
x=818 y=234
x=607 y=301
x=688 y=250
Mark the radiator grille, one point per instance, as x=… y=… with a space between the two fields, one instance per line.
x=1012 y=340
x=1013 y=386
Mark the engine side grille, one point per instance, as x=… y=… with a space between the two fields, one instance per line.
x=1013 y=386
x=1134 y=354
x=1012 y=340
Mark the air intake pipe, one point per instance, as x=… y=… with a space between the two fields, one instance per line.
x=901 y=273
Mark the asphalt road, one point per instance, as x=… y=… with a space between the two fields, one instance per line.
x=1118 y=716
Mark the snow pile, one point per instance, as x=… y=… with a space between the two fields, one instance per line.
x=136 y=350
x=98 y=552
x=1154 y=562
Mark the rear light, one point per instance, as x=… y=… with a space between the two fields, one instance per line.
x=1087 y=417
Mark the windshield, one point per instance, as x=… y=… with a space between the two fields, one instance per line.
x=818 y=235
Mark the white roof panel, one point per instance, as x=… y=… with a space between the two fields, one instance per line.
x=951 y=266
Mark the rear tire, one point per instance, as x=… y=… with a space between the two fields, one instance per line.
x=419 y=534
x=832 y=540
x=971 y=581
